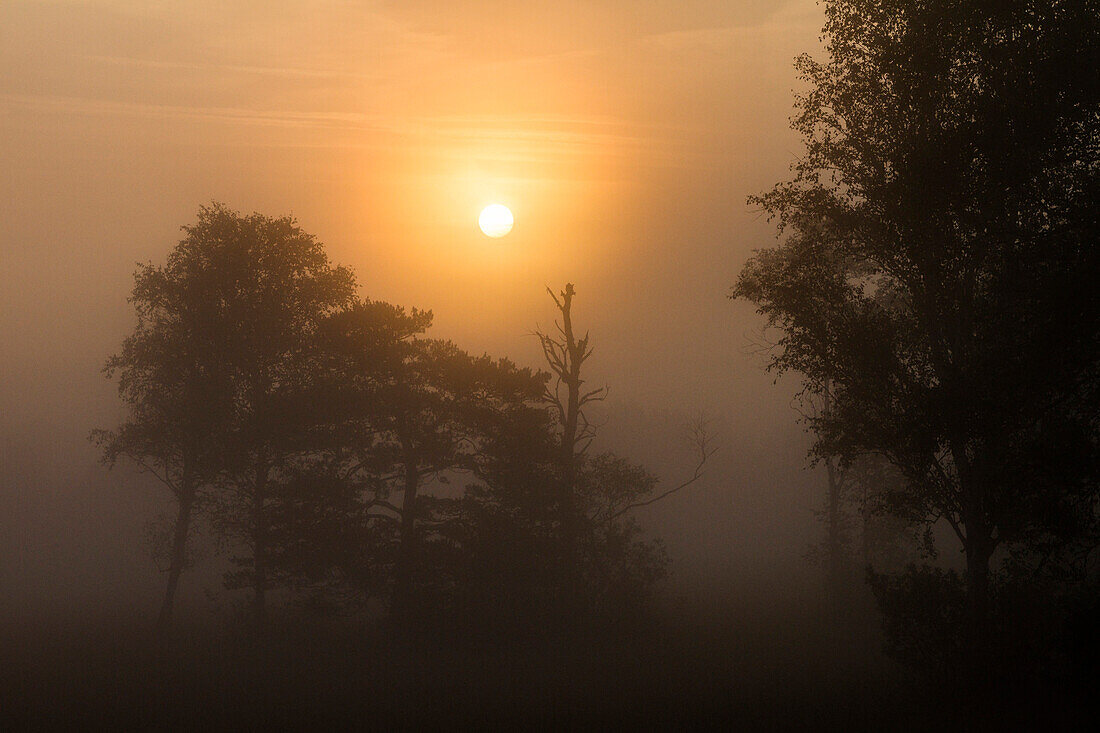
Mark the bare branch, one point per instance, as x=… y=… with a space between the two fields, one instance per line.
x=702 y=444
x=596 y=395
x=147 y=468
x=554 y=297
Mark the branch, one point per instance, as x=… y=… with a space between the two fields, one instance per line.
x=596 y=395
x=384 y=504
x=145 y=467
x=554 y=297
x=702 y=444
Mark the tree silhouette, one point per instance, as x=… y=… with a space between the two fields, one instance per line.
x=600 y=551
x=318 y=433
x=566 y=354
x=411 y=412
x=940 y=223
x=373 y=380
x=264 y=286
x=177 y=385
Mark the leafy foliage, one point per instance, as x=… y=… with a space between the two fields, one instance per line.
x=939 y=255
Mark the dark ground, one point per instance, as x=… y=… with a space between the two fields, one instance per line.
x=731 y=668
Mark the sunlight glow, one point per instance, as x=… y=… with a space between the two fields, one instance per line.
x=495 y=220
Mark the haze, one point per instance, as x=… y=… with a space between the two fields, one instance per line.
x=624 y=136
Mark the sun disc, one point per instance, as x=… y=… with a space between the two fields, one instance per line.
x=495 y=220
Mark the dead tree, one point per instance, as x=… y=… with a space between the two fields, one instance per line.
x=566 y=354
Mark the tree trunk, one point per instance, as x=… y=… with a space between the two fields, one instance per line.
x=977 y=581
x=979 y=544
x=569 y=470
x=407 y=548
x=979 y=670
x=834 y=541
x=186 y=501
x=978 y=547
x=569 y=429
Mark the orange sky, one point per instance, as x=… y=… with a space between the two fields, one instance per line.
x=625 y=137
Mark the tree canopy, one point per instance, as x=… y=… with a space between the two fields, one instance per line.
x=341 y=453
x=938 y=264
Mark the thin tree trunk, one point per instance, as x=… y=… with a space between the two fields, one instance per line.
x=979 y=544
x=834 y=544
x=979 y=550
x=407 y=548
x=980 y=665
x=569 y=470
x=186 y=501
x=978 y=547
x=569 y=429
x=865 y=535
x=977 y=582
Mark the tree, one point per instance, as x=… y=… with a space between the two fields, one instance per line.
x=594 y=494
x=324 y=542
x=565 y=355
x=442 y=402
x=175 y=382
x=863 y=531
x=517 y=570
x=264 y=285
x=863 y=527
x=940 y=250
x=372 y=352
x=414 y=412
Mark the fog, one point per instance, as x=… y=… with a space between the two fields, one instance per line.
x=116 y=128
x=626 y=138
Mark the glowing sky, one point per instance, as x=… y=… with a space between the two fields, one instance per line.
x=625 y=137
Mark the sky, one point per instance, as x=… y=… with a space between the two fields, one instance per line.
x=625 y=137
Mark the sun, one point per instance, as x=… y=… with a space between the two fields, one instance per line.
x=495 y=220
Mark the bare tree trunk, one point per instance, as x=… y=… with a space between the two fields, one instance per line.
x=865 y=536
x=186 y=501
x=979 y=666
x=572 y=417
x=978 y=544
x=565 y=354
x=834 y=540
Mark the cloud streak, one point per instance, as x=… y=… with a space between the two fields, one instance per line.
x=511 y=134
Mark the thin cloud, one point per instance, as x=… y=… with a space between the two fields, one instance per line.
x=135 y=62
x=536 y=134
